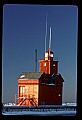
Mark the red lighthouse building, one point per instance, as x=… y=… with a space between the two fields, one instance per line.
x=41 y=88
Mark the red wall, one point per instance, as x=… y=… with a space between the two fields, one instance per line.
x=53 y=69
x=43 y=68
x=49 y=68
x=49 y=95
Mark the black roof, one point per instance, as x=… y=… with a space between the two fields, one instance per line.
x=30 y=75
x=52 y=78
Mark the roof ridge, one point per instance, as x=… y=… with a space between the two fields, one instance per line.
x=30 y=75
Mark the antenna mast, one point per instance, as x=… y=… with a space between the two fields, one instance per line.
x=46 y=34
x=50 y=41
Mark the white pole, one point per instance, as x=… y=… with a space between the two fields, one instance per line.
x=50 y=39
x=50 y=42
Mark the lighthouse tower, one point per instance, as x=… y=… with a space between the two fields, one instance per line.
x=48 y=65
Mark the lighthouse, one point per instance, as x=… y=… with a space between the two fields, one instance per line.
x=44 y=87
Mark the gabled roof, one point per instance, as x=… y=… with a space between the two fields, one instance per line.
x=54 y=76
x=30 y=75
x=51 y=78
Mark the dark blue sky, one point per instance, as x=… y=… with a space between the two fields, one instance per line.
x=24 y=31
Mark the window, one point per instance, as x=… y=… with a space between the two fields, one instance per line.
x=59 y=95
x=53 y=64
x=22 y=90
x=46 y=54
x=44 y=64
x=51 y=55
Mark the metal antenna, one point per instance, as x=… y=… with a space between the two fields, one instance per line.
x=46 y=34
x=50 y=41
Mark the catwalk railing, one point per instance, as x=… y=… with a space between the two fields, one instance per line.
x=38 y=108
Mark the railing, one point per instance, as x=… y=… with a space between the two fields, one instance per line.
x=23 y=98
x=38 y=108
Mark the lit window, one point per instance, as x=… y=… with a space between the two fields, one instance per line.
x=46 y=54
x=51 y=55
x=44 y=64
x=22 y=90
x=59 y=94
